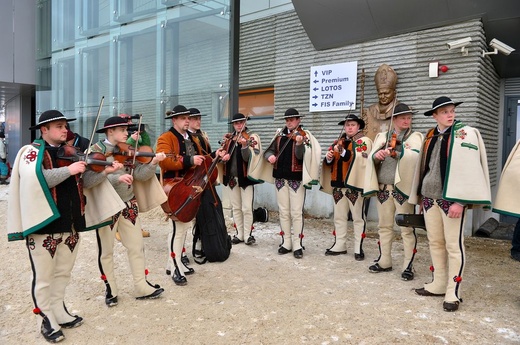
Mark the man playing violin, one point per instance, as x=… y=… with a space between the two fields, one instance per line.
x=139 y=189
x=294 y=155
x=343 y=173
x=184 y=153
x=46 y=208
x=241 y=147
x=389 y=176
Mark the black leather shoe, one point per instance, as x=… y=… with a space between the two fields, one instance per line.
x=359 y=257
x=407 y=275
x=375 y=268
x=190 y=271
x=450 y=306
x=74 y=323
x=55 y=337
x=282 y=250
x=515 y=256
x=111 y=301
x=424 y=292
x=298 y=254
x=179 y=280
x=236 y=240
x=333 y=253
x=251 y=240
x=185 y=260
x=153 y=295
x=168 y=272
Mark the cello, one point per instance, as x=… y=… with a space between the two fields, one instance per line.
x=184 y=193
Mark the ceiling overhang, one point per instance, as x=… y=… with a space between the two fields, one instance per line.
x=337 y=23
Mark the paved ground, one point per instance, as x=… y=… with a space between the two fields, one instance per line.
x=260 y=297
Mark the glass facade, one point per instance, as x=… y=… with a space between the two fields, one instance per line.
x=142 y=56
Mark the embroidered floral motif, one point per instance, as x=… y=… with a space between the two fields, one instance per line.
x=279 y=183
x=294 y=185
x=72 y=241
x=31 y=243
x=232 y=183
x=461 y=134
x=30 y=156
x=361 y=146
x=114 y=220
x=51 y=244
x=352 y=195
x=131 y=211
x=337 y=194
x=383 y=195
x=427 y=203
x=399 y=197
x=444 y=205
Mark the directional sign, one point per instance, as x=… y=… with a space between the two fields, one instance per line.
x=333 y=87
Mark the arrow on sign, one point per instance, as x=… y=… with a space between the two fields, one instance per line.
x=314 y=97
x=315 y=89
x=316 y=81
x=315 y=73
x=315 y=104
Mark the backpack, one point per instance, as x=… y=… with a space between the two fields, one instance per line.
x=210 y=228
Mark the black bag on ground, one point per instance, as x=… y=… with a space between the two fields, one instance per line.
x=260 y=215
x=211 y=228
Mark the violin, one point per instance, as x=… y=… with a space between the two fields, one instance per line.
x=67 y=155
x=251 y=142
x=125 y=153
x=392 y=143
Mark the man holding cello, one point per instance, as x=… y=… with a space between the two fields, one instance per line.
x=139 y=189
x=184 y=153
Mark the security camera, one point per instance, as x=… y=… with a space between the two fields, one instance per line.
x=462 y=43
x=501 y=47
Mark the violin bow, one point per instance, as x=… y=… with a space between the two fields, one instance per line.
x=95 y=126
x=89 y=149
x=136 y=144
x=388 y=135
x=289 y=137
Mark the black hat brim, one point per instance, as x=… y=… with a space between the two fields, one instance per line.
x=37 y=126
x=431 y=111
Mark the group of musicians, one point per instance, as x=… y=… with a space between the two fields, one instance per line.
x=51 y=202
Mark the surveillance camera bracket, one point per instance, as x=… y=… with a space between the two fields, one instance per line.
x=494 y=52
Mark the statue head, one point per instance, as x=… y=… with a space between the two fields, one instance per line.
x=385 y=80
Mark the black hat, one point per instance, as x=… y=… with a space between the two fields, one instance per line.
x=194 y=112
x=291 y=112
x=441 y=102
x=177 y=110
x=352 y=117
x=112 y=122
x=238 y=117
x=401 y=109
x=49 y=116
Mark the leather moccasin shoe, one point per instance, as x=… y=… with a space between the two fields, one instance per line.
x=407 y=275
x=450 y=306
x=329 y=252
x=185 y=260
x=74 y=323
x=55 y=337
x=189 y=271
x=375 y=268
x=236 y=240
x=298 y=254
x=359 y=257
x=251 y=240
x=111 y=301
x=179 y=280
x=153 y=295
x=424 y=292
x=282 y=250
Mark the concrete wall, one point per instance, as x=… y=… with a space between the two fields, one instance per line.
x=276 y=51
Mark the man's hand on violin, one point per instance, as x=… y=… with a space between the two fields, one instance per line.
x=298 y=139
x=78 y=167
x=329 y=155
x=134 y=136
x=126 y=178
x=114 y=167
x=159 y=157
x=242 y=141
x=382 y=154
x=198 y=159
x=272 y=159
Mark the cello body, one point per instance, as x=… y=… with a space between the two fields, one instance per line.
x=184 y=193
